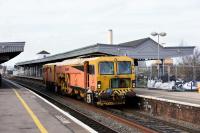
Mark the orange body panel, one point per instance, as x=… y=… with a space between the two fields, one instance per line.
x=76 y=76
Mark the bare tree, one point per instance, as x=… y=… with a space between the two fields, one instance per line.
x=189 y=67
x=192 y=60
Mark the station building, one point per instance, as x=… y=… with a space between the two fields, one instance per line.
x=141 y=49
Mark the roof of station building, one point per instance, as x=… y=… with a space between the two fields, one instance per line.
x=144 y=48
x=134 y=43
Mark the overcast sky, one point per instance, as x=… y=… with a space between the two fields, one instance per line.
x=63 y=25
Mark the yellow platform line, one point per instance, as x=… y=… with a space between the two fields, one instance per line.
x=33 y=116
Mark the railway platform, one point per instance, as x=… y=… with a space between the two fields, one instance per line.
x=24 y=111
x=186 y=98
x=183 y=106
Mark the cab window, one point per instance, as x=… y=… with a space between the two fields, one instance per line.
x=106 y=68
x=123 y=67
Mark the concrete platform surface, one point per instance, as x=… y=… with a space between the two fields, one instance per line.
x=188 y=98
x=21 y=111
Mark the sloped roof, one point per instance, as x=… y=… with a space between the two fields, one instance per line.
x=139 y=42
x=145 y=48
x=9 y=50
x=77 y=61
x=134 y=43
x=104 y=49
x=7 y=47
x=43 y=52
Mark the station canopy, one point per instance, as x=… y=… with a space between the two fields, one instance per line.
x=9 y=50
x=142 y=49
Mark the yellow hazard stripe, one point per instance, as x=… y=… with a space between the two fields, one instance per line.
x=33 y=116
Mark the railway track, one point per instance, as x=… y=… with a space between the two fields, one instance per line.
x=151 y=122
x=142 y=123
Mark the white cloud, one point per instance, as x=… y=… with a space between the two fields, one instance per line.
x=63 y=25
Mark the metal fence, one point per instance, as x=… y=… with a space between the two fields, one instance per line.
x=167 y=73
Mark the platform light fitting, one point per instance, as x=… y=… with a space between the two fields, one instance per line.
x=160 y=34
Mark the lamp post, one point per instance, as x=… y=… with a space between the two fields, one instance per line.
x=158 y=34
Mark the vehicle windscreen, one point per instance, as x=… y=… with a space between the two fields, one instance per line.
x=106 y=68
x=123 y=67
x=120 y=83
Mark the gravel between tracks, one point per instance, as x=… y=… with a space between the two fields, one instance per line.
x=84 y=108
x=174 y=121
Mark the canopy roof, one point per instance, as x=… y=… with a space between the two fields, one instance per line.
x=9 y=50
x=144 y=48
